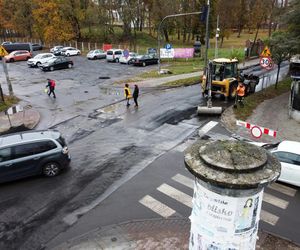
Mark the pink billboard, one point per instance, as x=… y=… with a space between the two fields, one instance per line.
x=184 y=53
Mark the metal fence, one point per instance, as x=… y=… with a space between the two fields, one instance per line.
x=83 y=46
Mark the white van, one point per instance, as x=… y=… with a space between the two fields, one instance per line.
x=113 y=55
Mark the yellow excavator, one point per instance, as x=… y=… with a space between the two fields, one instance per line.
x=224 y=76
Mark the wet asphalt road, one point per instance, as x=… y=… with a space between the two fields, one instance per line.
x=105 y=143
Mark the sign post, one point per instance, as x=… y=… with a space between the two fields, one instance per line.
x=3 y=53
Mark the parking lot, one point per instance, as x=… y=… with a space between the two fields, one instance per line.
x=86 y=86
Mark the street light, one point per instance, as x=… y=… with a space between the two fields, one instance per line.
x=159 y=26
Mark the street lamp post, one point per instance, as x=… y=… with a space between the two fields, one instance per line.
x=159 y=27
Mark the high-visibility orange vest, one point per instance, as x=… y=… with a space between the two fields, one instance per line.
x=241 y=90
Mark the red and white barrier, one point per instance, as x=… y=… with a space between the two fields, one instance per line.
x=257 y=131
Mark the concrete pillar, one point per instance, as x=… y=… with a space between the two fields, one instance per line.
x=230 y=177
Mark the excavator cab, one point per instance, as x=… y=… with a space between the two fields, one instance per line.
x=224 y=77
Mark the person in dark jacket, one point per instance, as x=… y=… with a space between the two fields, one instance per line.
x=51 y=87
x=135 y=95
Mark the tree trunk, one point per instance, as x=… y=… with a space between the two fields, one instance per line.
x=178 y=34
x=222 y=40
x=254 y=41
x=1 y=96
x=166 y=34
x=277 y=76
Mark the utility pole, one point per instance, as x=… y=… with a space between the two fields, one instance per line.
x=159 y=27
x=3 y=53
x=206 y=35
x=217 y=36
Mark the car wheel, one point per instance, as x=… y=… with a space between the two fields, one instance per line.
x=78 y=53
x=144 y=64
x=38 y=64
x=51 y=68
x=68 y=54
x=117 y=60
x=70 y=65
x=11 y=60
x=95 y=57
x=51 y=169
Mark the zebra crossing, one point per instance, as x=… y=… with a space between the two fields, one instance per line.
x=165 y=210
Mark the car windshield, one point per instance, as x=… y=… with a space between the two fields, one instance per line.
x=38 y=56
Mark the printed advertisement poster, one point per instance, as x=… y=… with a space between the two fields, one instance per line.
x=184 y=53
x=224 y=222
x=166 y=53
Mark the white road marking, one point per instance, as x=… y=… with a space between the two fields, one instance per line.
x=184 y=180
x=283 y=189
x=273 y=200
x=268 y=217
x=208 y=127
x=156 y=206
x=176 y=194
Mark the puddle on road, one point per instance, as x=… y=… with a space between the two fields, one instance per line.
x=109 y=91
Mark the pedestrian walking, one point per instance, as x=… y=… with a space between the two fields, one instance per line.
x=241 y=93
x=136 y=94
x=127 y=93
x=51 y=87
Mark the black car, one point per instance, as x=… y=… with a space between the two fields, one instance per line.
x=37 y=46
x=57 y=63
x=145 y=60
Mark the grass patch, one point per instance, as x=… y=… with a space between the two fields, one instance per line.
x=252 y=101
x=182 y=83
x=8 y=102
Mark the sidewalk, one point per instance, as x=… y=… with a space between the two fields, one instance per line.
x=154 y=234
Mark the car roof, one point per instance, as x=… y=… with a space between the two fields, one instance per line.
x=21 y=51
x=289 y=146
x=27 y=136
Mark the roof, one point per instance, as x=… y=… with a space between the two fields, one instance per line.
x=26 y=136
x=289 y=146
x=225 y=60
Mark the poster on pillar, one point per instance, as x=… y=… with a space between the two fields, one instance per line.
x=223 y=222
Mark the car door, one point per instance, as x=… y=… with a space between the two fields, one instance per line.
x=290 y=167
x=17 y=56
x=7 y=166
x=59 y=63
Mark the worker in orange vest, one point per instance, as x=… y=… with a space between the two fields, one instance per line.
x=241 y=93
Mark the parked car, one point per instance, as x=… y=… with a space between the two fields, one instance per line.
x=96 y=54
x=56 y=50
x=129 y=59
x=288 y=153
x=10 y=47
x=37 y=46
x=144 y=60
x=32 y=153
x=6 y=42
x=56 y=63
x=70 y=51
x=39 y=59
x=18 y=55
x=113 y=55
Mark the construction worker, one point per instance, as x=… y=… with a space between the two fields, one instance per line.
x=127 y=93
x=241 y=93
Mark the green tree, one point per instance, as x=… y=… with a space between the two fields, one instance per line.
x=282 y=48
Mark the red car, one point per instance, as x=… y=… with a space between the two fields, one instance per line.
x=18 y=55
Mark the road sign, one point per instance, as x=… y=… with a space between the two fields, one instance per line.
x=126 y=53
x=256 y=132
x=265 y=62
x=168 y=46
x=3 y=52
x=266 y=52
